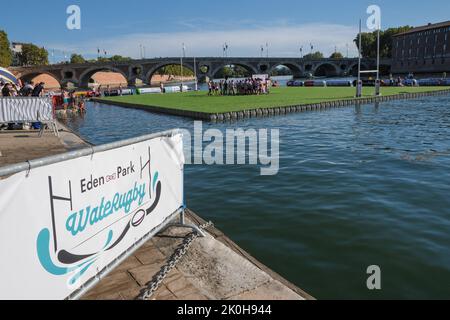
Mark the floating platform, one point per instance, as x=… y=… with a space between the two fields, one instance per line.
x=255 y=112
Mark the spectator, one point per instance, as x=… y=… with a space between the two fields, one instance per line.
x=27 y=90
x=37 y=91
x=6 y=90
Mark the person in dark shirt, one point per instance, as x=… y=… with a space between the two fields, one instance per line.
x=38 y=90
x=6 y=91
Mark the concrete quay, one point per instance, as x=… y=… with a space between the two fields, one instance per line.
x=21 y=146
x=214 y=268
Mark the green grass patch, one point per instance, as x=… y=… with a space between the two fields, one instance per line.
x=279 y=97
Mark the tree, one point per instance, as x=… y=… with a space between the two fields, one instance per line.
x=369 y=42
x=77 y=58
x=174 y=70
x=5 y=52
x=32 y=55
x=337 y=55
x=314 y=56
x=115 y=58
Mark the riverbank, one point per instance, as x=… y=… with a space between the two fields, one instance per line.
x=200 y=106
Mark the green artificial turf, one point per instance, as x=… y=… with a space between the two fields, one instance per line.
x=201 y=102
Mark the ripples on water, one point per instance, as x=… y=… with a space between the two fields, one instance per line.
x=357 y=187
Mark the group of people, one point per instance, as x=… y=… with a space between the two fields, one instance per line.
x=250 y=86
x=22 y=90
x=69 y=100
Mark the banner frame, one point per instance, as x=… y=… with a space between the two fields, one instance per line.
x=28 y=166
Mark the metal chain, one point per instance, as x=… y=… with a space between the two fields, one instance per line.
x=179 y=253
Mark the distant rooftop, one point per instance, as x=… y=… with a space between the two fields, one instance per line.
x=429 y=26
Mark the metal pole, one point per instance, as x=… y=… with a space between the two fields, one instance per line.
x=183 y=56
x=377 y=81
x=359 y=84
x=195 y=75
x=181 y=69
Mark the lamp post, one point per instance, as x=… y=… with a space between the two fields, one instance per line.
x=267 y=49
x=301 y=52
x=182 y=56
x=359 y=83
x=378 y=82
x=195 y=75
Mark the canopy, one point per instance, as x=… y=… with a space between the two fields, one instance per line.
x=7 y=76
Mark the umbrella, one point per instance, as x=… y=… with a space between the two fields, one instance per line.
x=6 y=76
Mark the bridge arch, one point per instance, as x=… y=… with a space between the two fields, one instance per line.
x=326 y=69
x=86 y=76
x=32 y=75
x=353 y=69
x=297 y=70
x=149 y=75
x=250 y=68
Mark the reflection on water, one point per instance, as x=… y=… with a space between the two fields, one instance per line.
x=357 y=187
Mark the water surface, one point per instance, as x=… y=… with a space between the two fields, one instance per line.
x=357 y=187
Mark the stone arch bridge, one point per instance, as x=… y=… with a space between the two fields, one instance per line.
x=207 y=68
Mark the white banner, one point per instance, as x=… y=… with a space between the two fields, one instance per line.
x=19 y=109
x=62 y=224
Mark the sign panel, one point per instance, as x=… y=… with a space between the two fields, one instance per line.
x=62 y=224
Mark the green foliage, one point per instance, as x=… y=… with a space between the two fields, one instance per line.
x=77 y=58
x=115 y=58
x=314 y=56
x=5 y=52
x=174 y=70
x=369 y=42
x=33 y=56
x=233 y=71
x=337 y=55
x=281 y=71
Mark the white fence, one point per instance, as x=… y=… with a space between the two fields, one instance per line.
x=25 y=109
x=66 y=221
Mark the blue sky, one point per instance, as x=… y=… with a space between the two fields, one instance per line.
x=161 y=26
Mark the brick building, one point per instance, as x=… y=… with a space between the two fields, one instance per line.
x=423 y=50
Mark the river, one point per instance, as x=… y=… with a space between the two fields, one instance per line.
x=357 y=187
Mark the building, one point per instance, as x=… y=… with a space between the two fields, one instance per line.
x=423 y=50
x=16 y=49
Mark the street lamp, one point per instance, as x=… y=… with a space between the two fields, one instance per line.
x=301 y=52
x=183 y=56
